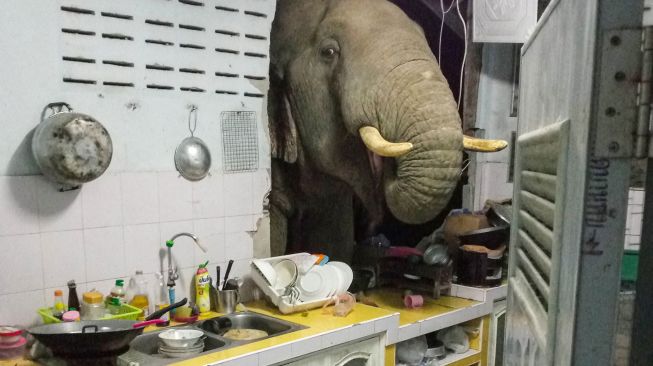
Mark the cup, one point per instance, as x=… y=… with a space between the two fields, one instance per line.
x=413 y=301
x=227 y=301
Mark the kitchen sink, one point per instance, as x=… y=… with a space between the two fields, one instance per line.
x=144 y=349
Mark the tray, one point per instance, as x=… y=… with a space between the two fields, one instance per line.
x=127 y=312
x=282 y=302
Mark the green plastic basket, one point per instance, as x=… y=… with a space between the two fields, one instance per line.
x=127 y=312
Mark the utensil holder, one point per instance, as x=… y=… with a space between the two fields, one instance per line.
x=227 y=301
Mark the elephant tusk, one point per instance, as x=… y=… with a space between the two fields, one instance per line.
x=377 y=144
x=481 y=145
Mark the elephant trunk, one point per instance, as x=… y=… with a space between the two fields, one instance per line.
x=420 y=110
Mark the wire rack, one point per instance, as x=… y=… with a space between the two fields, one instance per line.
x=239 y=141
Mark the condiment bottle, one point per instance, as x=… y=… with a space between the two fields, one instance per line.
x=73 y=299
x=138 y=293
x=202 y=289
x=114 y=306
x=59 y=307
x=118 y=291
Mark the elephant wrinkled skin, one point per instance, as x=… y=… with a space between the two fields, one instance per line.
x=338 y=66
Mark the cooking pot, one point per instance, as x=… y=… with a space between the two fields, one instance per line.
x=71 y=148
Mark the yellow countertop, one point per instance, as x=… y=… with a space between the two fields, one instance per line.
x=392 y=300
x=316 y=320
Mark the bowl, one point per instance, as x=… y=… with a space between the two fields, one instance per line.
x=9 y=335
x=286 y=270
x=181 y=338
x=267 y=271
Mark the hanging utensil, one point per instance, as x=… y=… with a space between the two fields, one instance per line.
x=226 y=274
x=71 y=148
x=192 y=156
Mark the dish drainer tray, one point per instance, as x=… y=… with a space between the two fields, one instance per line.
x=283 y=302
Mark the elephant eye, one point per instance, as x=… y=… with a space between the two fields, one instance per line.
x=328 y=52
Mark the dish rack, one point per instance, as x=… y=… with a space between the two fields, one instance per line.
x=127 y=312
x=284 y=303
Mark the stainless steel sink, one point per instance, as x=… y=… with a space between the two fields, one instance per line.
x=144 y=349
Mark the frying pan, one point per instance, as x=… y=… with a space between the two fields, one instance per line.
x=94 y=338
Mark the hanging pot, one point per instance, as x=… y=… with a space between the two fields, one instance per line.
x=192 y=156
x=71 y=148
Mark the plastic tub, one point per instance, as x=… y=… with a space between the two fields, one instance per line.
x=9 y=335
x=7 y=352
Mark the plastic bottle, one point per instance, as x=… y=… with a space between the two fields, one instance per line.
x=138 y=293
x=202 y=289
x=59 y=308
x=73 y=299
x=114 y=306
x=118 y=291
x=161 y=296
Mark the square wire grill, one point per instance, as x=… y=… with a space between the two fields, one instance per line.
x=239 y=141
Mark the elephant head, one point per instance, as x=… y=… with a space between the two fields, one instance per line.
x=357 y=94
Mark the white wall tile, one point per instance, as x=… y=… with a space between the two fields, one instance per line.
x=63 y=258
x=238 y=194
x=140 y=198
x=103 y=286
x=260 y=187
x=18 y=206
x=239 y=245
x=250 y=360
x=102 y=202
x=175 y=197
x=636 y=224
x=274 y=355
x=306 y=345
x=208 y=197
x=235 y=224
x=20 y=261
x=21 y=308
x=143 y=249
x=212 y=237
x=58 y=211
x=182 y=251
x=105 y=258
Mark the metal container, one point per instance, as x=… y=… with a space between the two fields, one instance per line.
x=71 y=148
x=227 y=301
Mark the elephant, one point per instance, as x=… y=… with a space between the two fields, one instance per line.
x=360 y=115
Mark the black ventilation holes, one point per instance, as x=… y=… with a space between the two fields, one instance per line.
x=118 y=63
x=118 y=83
x=72 y=9
x=193 y=89
x=227 y=50
x=118 y=36
x=160 y=23
x=254 y=95
x=192 y=27
x=79 y=59
x=78 y=31
x=192 y=71
x=193 y=46
x=254 y=54
x=159 y=42
x=160 y=87
x=256 y=36
x=79 y=81
x=227 y=32
x=191 y=2
x=117 y=16
x=227 y=92
x=251 y=77
x=160 y=67
x=226 y=74
x=225 y=8
x=256 y=14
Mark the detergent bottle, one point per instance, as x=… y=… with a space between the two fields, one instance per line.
x=202 y=288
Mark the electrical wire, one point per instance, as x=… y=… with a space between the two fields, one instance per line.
x=444 y=15
x=462 y=66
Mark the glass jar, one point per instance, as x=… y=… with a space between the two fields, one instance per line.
x=92 y=306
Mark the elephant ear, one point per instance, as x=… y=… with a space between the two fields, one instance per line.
x=283 y=131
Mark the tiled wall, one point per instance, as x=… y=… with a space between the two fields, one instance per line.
x=114 y=226
x=118 y=223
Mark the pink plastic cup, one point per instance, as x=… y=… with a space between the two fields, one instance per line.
x=413 y=301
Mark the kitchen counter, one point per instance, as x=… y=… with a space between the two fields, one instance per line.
x=323 y=330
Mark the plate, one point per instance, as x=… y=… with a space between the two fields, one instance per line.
x=316 y=284
x=346 y=274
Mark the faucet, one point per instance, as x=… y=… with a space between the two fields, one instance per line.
x=173 y=274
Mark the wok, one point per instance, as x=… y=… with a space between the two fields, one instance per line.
x=90 y=338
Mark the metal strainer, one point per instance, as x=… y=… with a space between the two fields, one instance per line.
x=192 y=156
